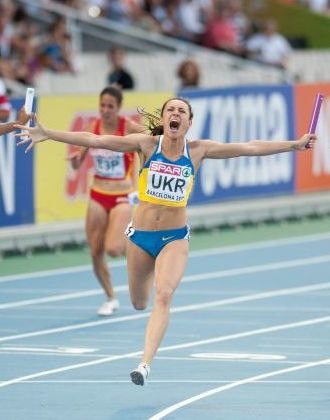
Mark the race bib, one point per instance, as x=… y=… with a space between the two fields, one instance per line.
x=110 y=165
x=167 y=181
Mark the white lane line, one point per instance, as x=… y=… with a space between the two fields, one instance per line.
x=86 y=356
x=57 y=271
x=72 y=351
x=191 y=278
x=263 y=244
x=75 y=327
x=212 y=361
x=238 y=356
x=57 y=298
x=193 y=254
x=260 y=268
x=174 y=381
x=248 y=333
x=280 y=327
x=178 y=309
x=70 y=367
x=262 y=376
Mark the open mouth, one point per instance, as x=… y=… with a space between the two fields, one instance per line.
x=174 y=125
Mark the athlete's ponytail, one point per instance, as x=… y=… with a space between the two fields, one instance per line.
x=152 y=121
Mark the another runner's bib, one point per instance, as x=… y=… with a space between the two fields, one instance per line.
x=166 y=182
x=112 y=165
x=108 y=164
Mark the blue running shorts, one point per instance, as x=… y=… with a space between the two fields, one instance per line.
x=153 y=242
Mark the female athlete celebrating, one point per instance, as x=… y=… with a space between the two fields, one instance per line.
x=158 y=235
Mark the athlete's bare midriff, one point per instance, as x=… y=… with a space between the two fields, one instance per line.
x=120 y=186
x=148 y=216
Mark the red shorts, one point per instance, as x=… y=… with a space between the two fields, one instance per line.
x=108 y=201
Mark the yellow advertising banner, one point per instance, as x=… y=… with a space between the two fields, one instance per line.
x=62 y=193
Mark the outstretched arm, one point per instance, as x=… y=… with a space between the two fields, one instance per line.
x=7 y=127
x=39 y=133
x=214 y=150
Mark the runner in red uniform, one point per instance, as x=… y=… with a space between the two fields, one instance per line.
x=115 y=176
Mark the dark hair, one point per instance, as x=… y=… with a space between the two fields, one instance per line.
x=113 y=91
x=182 y=73
x=153 y=123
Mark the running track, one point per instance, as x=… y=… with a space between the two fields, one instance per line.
x=249 y=339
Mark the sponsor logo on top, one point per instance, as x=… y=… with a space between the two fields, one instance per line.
x=165 y=168
x=168 y=168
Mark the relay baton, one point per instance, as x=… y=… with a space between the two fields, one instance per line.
x=315 y=115
x=29 y=95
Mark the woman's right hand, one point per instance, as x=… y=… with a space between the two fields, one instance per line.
x=31 y=135
x=76 y=157
x=307 y=141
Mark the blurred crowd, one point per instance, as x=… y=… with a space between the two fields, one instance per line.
x=317 y=6
x=26 y=48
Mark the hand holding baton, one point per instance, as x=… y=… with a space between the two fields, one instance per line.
x=315 y=115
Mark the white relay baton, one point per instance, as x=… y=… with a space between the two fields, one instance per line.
x=29 y=95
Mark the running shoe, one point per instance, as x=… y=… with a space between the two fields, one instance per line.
x=140 y=374
x=108 y=307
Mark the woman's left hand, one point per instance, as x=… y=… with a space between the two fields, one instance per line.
x=31 y=135
x=307 y=141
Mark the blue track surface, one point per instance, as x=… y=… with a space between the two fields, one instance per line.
x=249 y=339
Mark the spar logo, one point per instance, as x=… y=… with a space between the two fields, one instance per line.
x=165 y=168
x=170 y=169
